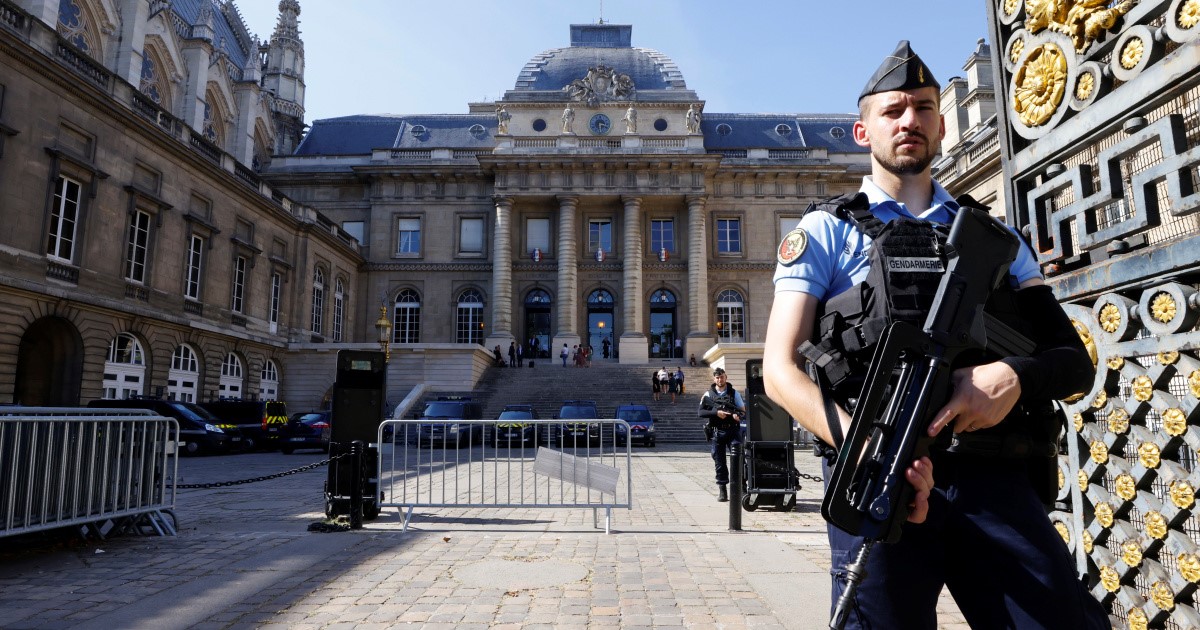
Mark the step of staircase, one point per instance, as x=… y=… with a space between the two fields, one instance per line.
x=606 y=382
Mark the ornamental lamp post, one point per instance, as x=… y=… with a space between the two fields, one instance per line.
x=384 y=326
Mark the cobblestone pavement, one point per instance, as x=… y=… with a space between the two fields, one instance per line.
x=243 y=558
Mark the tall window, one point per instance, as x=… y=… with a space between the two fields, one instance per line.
x=731 y=310
x=408 y=237
x=230 y=385
x=210 y=127
x=239 y=284
x=318 y=301
x=339 y=308
x=276 y=287
x=729 y=236
x=470 y=236
x=151 y=82
x=537 y=235
x=63 y=219
x=136 y=247
x=195 y=262
x=268 y=385
x=184 y=377
x=125 y=368
x=470 y=318
x=599 y=235
x=73 y=25
x=662 y=234
x=406 y=323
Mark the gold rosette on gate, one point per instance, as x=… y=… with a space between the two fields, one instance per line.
x=1041 y=83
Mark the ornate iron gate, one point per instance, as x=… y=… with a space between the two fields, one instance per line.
x=1099 y=120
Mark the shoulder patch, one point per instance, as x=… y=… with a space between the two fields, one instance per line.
x=792 y=247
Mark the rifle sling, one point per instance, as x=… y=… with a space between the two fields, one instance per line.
x=819 y=361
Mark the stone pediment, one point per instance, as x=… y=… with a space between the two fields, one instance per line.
x=601 y=83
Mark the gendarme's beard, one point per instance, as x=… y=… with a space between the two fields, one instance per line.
x=905 y=164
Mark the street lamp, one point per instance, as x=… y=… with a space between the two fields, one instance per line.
x=384 y=326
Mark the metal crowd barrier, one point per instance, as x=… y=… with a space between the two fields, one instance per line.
x=63 y=467
x=490 y=464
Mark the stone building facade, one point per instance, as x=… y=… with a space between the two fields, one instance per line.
x=143 y=253
x=594 y=203
x=173 y=231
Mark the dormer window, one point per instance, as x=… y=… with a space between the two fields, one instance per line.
x=783 y=130
x=477 y=131
x=724 y=129
x=838 y=133
x=419 y=130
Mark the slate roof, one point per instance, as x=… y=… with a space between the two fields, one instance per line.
x=226 y=35
x=359 y=135
x=758 y=131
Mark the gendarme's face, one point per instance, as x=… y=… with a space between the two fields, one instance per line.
x=902 y=128
x=720 y=379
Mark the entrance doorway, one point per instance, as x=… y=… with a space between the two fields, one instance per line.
x=49 y=364
x=663 y=331
x=537 y=323
x=600 y=305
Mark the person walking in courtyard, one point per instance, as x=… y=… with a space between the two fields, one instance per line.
x=679 y=380
x=654 y=384
x=563 y=354
x=512 y=354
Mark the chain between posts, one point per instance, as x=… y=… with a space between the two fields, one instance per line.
x=225 y=484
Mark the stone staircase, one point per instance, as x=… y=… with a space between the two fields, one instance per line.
x=608 y=383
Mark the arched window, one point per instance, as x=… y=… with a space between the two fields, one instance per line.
x=339 y=308
x=231 y=377
x=183 y=380
x=406 y=324
x=74 y=27
x=600 y=297
x=731 y=310
x=125 y=368
x=469 y=328
x=318 y=300
x=537 y=297
x=662 y=297
x=151 y=84
x=269 y=381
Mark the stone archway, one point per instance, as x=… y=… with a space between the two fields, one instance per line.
x=49 y=364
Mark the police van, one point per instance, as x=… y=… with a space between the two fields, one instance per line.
x=260 y=421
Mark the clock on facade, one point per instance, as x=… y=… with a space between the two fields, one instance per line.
x=599 y=125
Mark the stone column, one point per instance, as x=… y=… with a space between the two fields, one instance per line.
x=501 y=299
x=565 y=303
x=700 y=338
x=632 y=347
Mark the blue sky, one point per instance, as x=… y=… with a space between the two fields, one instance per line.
x=779 y=56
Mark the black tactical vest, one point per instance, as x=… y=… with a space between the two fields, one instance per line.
x=907 y=261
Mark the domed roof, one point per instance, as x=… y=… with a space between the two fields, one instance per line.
x=601 y=45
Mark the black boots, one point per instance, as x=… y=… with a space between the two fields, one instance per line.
x=722 y=495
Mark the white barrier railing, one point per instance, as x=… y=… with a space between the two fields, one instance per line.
x=62 y=467
x=492 y=464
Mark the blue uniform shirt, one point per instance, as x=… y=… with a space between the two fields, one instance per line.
x=835 y=258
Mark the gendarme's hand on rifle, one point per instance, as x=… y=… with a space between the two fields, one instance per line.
x=920 y=475
x=983 y=396
x=725 y=415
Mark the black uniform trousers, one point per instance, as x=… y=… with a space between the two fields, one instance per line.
x=722 y=439
x=988 y=540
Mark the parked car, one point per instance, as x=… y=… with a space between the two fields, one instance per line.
x=306 y=430
x=445 y=431
x=641 y=425
x=198 y=430
x=575 y=434
x=259 y=420
x=510 y=431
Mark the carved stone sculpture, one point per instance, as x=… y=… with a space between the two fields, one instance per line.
x=568 y=120
x=502 y=118
x=601 y=83
x=630 y=120
x=693 y=118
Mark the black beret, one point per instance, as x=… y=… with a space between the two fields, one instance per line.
x=901 y=70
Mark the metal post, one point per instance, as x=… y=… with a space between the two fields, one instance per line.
x=356 y=483
x=735 y=487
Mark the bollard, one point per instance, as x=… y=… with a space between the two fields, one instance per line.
x=356 y=484
x=735 y=487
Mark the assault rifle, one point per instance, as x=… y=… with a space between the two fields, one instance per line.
x=723 y=402
x=908 y=383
